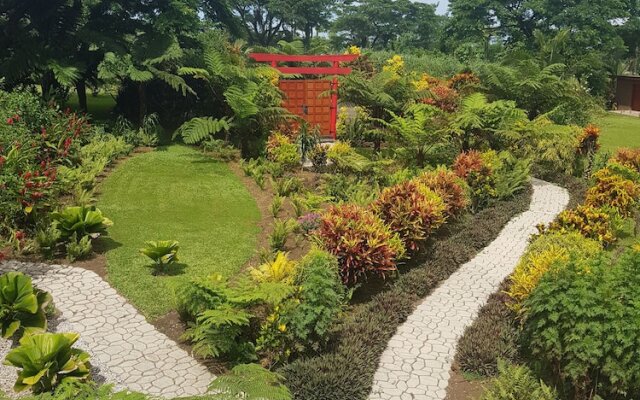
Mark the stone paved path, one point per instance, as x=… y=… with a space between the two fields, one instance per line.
x=417 y=360
x=129 y=351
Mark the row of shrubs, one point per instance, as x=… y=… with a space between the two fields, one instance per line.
x=570 y=309
x=345 y=368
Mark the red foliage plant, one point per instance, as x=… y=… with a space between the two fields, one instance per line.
x=412 y=211
x=360 y=240
x=469 y=162
x=450 y=187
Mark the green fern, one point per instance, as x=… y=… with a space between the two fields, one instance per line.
x=250 y=382
x=198 y=129
x=215 y=332
x=517 y=382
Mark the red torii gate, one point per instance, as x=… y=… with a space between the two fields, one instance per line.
x=303 y=96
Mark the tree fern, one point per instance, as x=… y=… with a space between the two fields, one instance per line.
x=250 y=382
x=198 y=129
x=176 y=82
x=241 y=100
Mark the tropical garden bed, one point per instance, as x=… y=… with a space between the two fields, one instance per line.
x=286 y=265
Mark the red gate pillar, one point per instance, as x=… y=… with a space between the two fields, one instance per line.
x=334 y=104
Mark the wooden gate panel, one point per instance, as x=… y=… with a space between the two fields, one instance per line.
x=310 y=100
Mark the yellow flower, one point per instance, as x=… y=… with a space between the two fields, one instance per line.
x=282 y=328
x=355 y=50
x=395 y=64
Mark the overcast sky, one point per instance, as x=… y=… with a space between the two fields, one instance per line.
x=442 y=5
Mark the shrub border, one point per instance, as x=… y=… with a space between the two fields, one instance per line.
x=346 y=368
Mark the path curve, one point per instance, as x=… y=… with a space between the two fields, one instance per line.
x=127 y=349
x=417 y=360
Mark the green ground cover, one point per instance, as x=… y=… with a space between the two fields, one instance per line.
x=618 y=131
x=179 y=194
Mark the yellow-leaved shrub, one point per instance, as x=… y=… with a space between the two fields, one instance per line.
x=546 y=252
x=281 y=269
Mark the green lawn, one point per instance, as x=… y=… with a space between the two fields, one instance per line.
x=99 y=106
x=618 y=131
x=179 y=194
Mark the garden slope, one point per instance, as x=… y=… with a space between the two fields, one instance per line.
x=179 y=194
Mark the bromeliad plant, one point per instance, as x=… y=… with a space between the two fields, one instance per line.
x=162 y=252
x=46 y=360
x=22 y=307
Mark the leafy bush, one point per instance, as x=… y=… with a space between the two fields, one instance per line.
x=321 y=295
x=78 y=248
x=282 y=151
x=161 y=252
x=276 y=206
x=221 y=316
x=216 y=332
x=250 y=382
x=511 y=175
x=612 y=190
x=280 y=233
x=46 y=360
x=346 y=159
x=22 y=307
x=591 y=222
x=628 y=157
x=517 y=382
x=360 y=240
x=284 y=187
x=318 y=157
x=591 y=348
x=551 y=249
x=411 y=210
x=80 y=220
x=449 y=186
x=478 y=174
x=280 y=269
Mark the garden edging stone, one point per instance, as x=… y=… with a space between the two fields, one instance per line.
x=417 y=361
x=126 y=349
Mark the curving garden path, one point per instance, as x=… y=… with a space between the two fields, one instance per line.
x=417 y=360
x=125 y=349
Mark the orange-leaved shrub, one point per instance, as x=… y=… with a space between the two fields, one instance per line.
x=449 y=186
x=591 y=222
x=473 y=167
x=411 y=210
x=360 y=240
x=628 y=157
x=613 y=190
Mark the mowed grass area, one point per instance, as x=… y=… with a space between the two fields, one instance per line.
x=99 y=106
x=618 y=131
x=175 y=193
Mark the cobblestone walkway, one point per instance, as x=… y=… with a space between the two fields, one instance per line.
x=128 y=351
x=417 y=360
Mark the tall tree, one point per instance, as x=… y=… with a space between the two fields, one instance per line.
x=378 y=23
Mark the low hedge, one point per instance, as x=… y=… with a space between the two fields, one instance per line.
x=345 y=369
x=493 y=336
